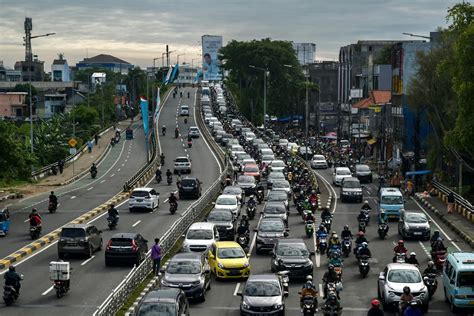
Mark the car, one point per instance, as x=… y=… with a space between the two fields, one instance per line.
x=319 y=162
x=267 y=159
x=363 y=173
x=226 y=137
x=279 y=196
x=167 y=301
x=394 y=278
x=228 y=260
x=458 y=281
x=190 y=187
x=263 y=294
x=305 y=151
x=126 y=248
x=143 y=199
x=189 y=272
x=277 y=209
x=339 y=174
x=182 y=165
x=228 y=202
x=391 y=201
x=292 y=147
x=269 y=230
x=237 y=191
x=225 y=222
x=251 y=169
x=351 y=190
x=292 y=255
x=194 y=132
x=277 y=166
x=282 y=185
x=249 y=136
x=414 y=225
x=83 y=239
x=274 y=176
x=184 y=111
x=283 y=142
x=248 y=184
x=200 y=236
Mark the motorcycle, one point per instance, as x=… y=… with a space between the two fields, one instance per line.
x=439 y=258
x=382 y=230
x=331 y=310
x=346 y=246
x=285 y=279
x=188 y=95
x=162 y=160
x=61 y=287
x=323 y=243
x=190 y=144
x=112 y=222
x=35 y=232
x=243 y=240
x=173 y=208
x=362 y=225
x=309 y=228
x=158 y=178
x=309 y=306
x=299 y=207
x=260 y=196
x=431 y=283
x=314 y=206
x=251 y=212
x=52 y=207
x=400 y=257
x=364 y=266
x=93 y=174
x=9 y=294
x=176 y=133
x=327 y=222
x=169 y=179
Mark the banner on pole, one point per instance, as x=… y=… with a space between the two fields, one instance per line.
x=144 y=111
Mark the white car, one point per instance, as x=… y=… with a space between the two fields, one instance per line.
x=228 y=202
x=143 y=199
x=182 y=165
x=267 y=159
x=249 y=136
x=339 y=174
x=200 y=237
x=277 y=166
x=319 y=161
x=282 y=142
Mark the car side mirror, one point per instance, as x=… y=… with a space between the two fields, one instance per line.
x=381 y=276
x=207 y=270
x=213 y=203
x=100 y=232
x=285 y=293
x=429 y=221
x=271 y=252
x=311 y=253
x=255 y=230
x=211 y=256
x=239 y=293
x=248 y=255
x=183 y=235
x=146 y=241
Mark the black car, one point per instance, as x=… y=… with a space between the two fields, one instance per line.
x=269 y=230
x=190 y=272
x=225 y=222
x=363 y=173
x=126 y=248
x=172 y=302
x=81 y=239
x=190 y=187
x=292 y=255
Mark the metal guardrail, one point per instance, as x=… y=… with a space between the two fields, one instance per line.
x=458 y=198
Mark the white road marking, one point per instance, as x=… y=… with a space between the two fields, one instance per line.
x=252 y=244
x=90 y=188
x=26 y=220
x=236 y=289
x=321 y=292
x=73 y=197
x=123 y=164
x=86 y=261
x=113 y=174
x=138 y=222
x=118 y=170
x=102 y=181
x=424 y=249
x=48 y=290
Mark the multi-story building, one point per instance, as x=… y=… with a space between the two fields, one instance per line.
x=13 y=104
x=187 y=74
x=60 y=70
x=103 y=61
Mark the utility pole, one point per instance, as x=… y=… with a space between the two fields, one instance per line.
x=266 y=73
x=306 y=109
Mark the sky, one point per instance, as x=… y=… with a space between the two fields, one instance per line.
x=137 y=31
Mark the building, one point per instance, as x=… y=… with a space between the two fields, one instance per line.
x=305 y=52
x=13 y=104
x=31 y=70
x=187 y=74
x=50 y=104
x=108 y=62
x=60 y=70
x=10 y=75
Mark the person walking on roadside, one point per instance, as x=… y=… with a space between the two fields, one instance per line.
x=89 y=146
x=96 y=139
x=451 y=201
x=61 y=166
x=156 y=256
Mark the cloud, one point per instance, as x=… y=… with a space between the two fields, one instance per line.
x=138 y=30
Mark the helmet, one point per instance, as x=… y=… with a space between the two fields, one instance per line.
x=366 y=202
x=309 y=278
x=382 y=211
x=335 y=236
x=430 y=264
x=361 y=233
x=172 y=193
x=401 y=242
x=34 y=210
x=244 y=216
x=331 y=267
x=52 y=192
x=251 y=197
x=406 y=290
x=312 y=191
x=346 y=227
x=11 y=268
x=321 y=227
x=163 y=126
x=333 y=232
x=412 y=254
x=364 y=244
x=436 y=232
x=375 y=302
x=439 y=239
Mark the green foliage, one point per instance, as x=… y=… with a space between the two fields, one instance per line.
x=461 y=15
x=385 y=56
x=50 y=141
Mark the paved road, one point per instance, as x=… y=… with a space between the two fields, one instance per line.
x=91 y=280
x=120 y=163
x=358 y=292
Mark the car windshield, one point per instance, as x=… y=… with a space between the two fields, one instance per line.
x=121 y=242
x=292 y=250
x=230 y=253
x=232 y=190
x=276 y=175
x=188 y=183
x=274 y=209
x=271 y=226
x=277 y=196
x=220 y=216
x=392 y=199
x=362 y=168
x=319 y=158
x=281 y=184
x=157 y=309
x=261 y=288
x=183 y=267
x=343 y=172
x=466 y=279
x=73 y=233
x=268 y=157
x=226 y=201
x=352 y=184
x=249 y=168
x=404 y=276
x=199 y=234
x=138 y=194
x=415 y=218
x=246 y=179
x=278 y=164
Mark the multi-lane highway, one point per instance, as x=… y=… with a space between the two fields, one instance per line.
x=91 y=280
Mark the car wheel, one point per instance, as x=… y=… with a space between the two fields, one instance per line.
x=91 y=252
x=203 y=297
x=100 y=245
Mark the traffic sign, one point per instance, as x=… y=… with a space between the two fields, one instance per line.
x=72 y=142
x=72 y=151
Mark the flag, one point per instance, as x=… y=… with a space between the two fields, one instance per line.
x=144 y=111
x=157 y=109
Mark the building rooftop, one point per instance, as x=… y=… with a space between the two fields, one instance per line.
x=103 y=58
x=376 y=97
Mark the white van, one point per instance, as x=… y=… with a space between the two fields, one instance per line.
x=200 y=237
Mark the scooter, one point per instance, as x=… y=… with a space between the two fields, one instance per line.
x=243 y=240
x=9 y=295
x=190 y=143
x=309 y=228
x=382 y=230
x=364 y=266
x=163 y=131
x=346 y=246
x=400 y=257
x=260 y=196
x=327 y=222
x=61 y=287
x=112 y=222
x=323 y=243
x=285 y=279
x=362 y=226
x=52 y=207
x=169 y=180
x=439 y=258
x=251 y=212
x=309 y=305
x=173 y=208
x=158 y=178
x=330 y=310
x=35 y=232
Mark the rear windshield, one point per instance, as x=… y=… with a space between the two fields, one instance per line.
x=121 y=242
x=199 y=234
x=188 y=183
x=157 y=309
x=351 y=184
x=273 y=209
x=140 y=194
x=73 y=232
x=220 y=216
x=182 y=160
x=251 y=168
x=362 y=168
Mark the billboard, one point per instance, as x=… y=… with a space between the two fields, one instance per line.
x=305 y=52
x=210 y=63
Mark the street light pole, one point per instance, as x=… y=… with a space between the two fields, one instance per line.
x=266 y=73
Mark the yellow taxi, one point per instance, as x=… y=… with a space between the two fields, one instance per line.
x=228 y=260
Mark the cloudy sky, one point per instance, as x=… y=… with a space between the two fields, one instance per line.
x=138 y=30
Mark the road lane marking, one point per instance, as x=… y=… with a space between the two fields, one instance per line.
x=85 y=262
x=424 y=249
x=236 y=289
x=321 y=292
x=123 y=165
x=48 y=290
x=102 y=181
x=26 y=220
x=118 y=170
x=73 y=197
x=138 y=222
x=113 y=174
x=105 y=213
x=90 y=188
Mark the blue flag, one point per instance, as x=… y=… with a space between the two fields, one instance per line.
x=144 y=110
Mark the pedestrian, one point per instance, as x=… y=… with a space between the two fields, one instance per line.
x=61 y=166
x=96 y=139
x=89 y=146
x=156 y=256
x=451 y=201
x=410 y=187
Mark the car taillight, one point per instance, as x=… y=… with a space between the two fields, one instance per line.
x=134 y=246
x=109 y=244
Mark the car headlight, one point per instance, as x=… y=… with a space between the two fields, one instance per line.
x=196 y=283
x=230 y=227
x=260 y=239
x=391 y=294
x=246 y=265
x=220 y=265
x=275 y=262
x=277 y=306
x=164 y=283
x=460 y=296
x=245 y=305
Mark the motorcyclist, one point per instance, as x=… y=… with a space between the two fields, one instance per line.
x=405 y=298
x=251 y=203
x=158 y=174
x=334 y=243
x=412 y=259
x=335 y=259
x=162 y=159
x=383 y=218
x=178 y=180
x=13 y=279
x=308 y=289
x=113 y=213
x=320 y=232
x=93 y=168
x=362 y=216
x=243 y=228
x=35 y=218
x=366 y=206
x=53 y=199
x=228 y=181
x=430 y=269
x=306 y=204
x=313 y=198
x=173 y=199
x=438 y=245
x=346 y=232
x=364 y=250
x=359 y=240
x=435 y=237
x=176 y=133
x=290 y=177
x=399 y=248
x=168 y=173
x=329 y=276
x=325 y=213
x=375 y=309
x=309 y=217
x=333 y=302
x=163 y=130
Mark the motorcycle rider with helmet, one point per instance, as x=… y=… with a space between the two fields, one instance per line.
x=173 y=199
x=308 y=289
x=399 y=248
x=12 y=278
x=412 y=259
x=405 y=299
x=53 y=199
x=430 y=269
x=346 y=232
x=375 y=309
x=359 y=241
x=113 y=213
x=329 y=276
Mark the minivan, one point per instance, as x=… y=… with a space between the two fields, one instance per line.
x=79 y=239
x=392 y=202
x=458 y=280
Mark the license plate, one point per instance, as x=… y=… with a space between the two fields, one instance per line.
x=417 y=233
x=139 y=201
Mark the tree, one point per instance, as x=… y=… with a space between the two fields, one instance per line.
x=384 y=57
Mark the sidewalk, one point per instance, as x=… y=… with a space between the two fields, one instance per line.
x=456 y=221
x=71 y=172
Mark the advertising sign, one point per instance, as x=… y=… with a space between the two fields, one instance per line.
x=210 y=63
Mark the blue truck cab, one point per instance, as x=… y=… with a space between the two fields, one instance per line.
x=392 y=202
x=458 y=280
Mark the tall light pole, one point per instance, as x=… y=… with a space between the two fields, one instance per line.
x=306 y=106
x=265 y=75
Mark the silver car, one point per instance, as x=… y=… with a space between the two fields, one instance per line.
x=394 y=278
x=263 y=295
x=274 y=176
x=414 y=225
x=182 y=165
